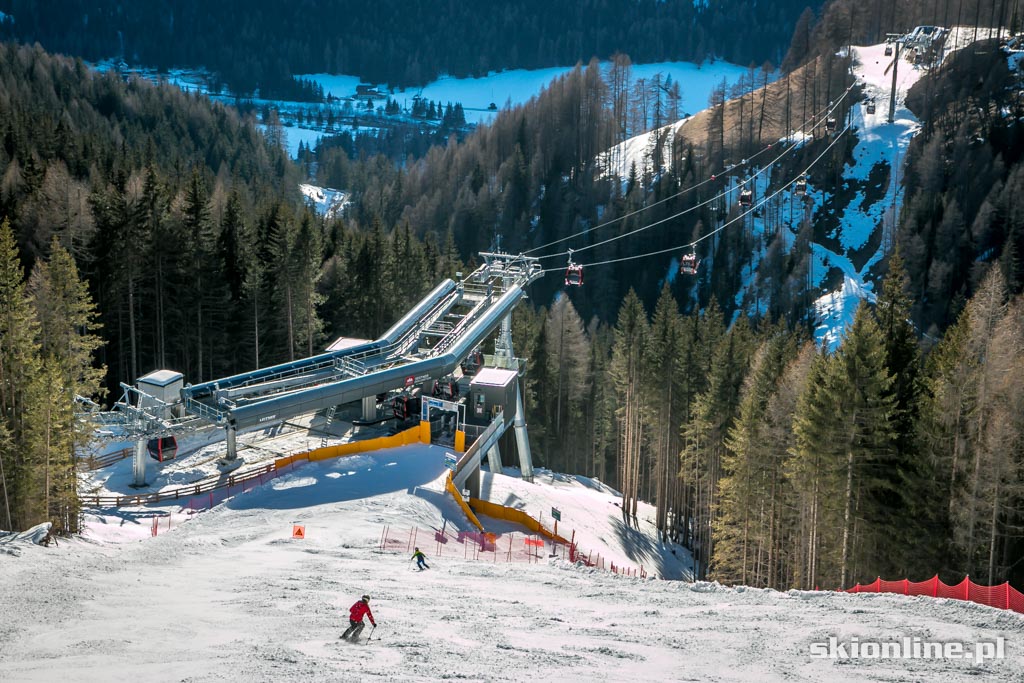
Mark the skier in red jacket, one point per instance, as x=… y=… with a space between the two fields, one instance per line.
x=355 y=618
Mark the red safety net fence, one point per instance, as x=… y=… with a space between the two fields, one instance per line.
x=490 y=547
x=1003 y=596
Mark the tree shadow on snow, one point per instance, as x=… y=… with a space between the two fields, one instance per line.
x=343 y=479
x=654 y=556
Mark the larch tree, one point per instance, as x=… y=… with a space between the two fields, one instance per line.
x=601 y=416
x=19 y=365
x=68 y=343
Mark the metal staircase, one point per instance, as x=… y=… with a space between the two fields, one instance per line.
x=327 y=425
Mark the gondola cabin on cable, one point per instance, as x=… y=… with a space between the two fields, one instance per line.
x=800 y=186
x=573 y=273
x=888 y=49
x=448 y=389
x=473 y=362
x=406 y=406
x=746 y=197
x=688 y=264
x=871 y=107
x=830 y=124
x=162 y=448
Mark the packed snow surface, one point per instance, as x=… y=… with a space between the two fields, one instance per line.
x=231 y=596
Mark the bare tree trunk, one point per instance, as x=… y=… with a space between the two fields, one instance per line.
x=199 y=331
x=846 y=516
x=132 y=341
x=256 y=321
x=291 y=322
x=7 y=501
x=161 y=343
x=992 y=537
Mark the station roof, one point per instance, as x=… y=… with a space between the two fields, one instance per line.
x=161 y=378
x=345 y=343
x=494 y=377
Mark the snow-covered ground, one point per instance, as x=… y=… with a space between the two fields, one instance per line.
x=326 y=201
x=517 y=86
x=231 y=596
x=879 y=144
x=506 y=88
x=637 y=152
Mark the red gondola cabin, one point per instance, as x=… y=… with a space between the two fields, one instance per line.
x=162 y=448
x=688 y=264
x=573 y=275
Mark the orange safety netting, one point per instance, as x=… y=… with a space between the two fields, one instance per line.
x=1003 y=596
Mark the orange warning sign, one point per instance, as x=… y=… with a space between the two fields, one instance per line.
x=298 y=531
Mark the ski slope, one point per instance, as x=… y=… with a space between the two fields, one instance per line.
x=231 y=596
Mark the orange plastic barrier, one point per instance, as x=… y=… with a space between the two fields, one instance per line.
x=1003 y=596
x=412 y=435
x=490 y=509
x=450 y=486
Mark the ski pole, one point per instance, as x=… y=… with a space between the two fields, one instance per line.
x=371 y=633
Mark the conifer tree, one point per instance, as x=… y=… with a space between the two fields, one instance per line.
x=19 y=365
x=975 y=427
x=784 y=543
x=665 y=403
x=568 y=354
x=704 y=440
x=602 y=404
x=812 y=478
x=68 y=344
x=910 y=477
x=750 y=476
x=627 y=373
x=846 y=421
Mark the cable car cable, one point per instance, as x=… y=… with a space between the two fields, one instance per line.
x=752 y=209
x=823 y=113
x=834 y=106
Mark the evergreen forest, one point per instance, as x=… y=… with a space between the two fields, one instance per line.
x=146 y=228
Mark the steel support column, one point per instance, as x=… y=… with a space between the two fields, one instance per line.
x=522 y=438
x=230 y=438
x=139 y=464
x=494 y=459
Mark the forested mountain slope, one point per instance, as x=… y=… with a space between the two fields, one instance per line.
x=260 y=44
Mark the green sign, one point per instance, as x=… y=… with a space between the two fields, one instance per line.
x=556 y=513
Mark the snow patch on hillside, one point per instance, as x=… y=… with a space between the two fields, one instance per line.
x=326 y=201
x=639 y=151
x=880 y=152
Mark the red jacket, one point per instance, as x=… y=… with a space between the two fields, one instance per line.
x=360 y=609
